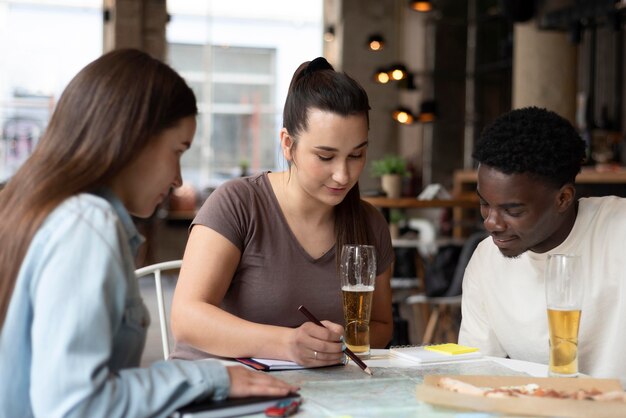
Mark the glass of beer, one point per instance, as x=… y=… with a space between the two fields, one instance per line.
x=358 y=274
x=564 y=295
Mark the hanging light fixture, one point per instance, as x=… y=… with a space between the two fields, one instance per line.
x=428 y=111
x=329 y=33
x=381 y=76
x=397 y=72
x=403 y=115
x=376 y=42
x=421 y=5
x=408 y=83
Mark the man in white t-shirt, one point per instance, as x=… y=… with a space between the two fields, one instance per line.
x=528 y=160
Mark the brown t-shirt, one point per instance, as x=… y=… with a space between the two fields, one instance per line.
x=275 y=274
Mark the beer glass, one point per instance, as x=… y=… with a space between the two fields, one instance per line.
x=358 y=274
x=564 y=294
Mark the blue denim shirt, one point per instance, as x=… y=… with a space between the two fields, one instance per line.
x=76 y=325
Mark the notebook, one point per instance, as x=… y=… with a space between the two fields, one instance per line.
x=436 y=353
x=234 y=407
x=268 y=365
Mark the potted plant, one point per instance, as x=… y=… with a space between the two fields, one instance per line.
x=244 y=166
x=395 y=217
x=390 y=169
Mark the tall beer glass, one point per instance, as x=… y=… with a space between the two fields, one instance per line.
x=564 y=294
x=358 y=274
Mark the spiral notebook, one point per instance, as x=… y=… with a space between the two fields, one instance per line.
x=437 y=353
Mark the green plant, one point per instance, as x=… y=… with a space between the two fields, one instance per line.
x=390 y=164
x=395 y=216
x=244 y=165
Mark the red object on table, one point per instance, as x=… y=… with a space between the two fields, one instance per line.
x=283 y=409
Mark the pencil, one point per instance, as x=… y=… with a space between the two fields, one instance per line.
x=346 y=350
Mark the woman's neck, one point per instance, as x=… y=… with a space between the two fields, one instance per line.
x=297 y=203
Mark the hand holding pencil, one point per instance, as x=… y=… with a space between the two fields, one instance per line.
x=311 y=345
x=346 y=350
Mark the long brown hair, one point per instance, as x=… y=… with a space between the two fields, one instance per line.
x=106 y=115
x=316 y=85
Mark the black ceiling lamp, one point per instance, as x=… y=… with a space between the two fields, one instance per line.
x=381 y=76
x=427 y=114
x=403 y=115
x=428 y=111
x=376 y=42
x=421 y=5
x=329 y=33
x=408 y=83
x=397 y=72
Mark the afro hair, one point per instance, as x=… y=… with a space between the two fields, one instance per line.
x=534 y=141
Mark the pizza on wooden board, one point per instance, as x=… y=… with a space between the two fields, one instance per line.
x=529 y=390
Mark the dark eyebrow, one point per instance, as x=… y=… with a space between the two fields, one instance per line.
x=503 y=206
x=331 y=149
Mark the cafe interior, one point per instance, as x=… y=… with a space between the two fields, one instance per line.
x=436 y=72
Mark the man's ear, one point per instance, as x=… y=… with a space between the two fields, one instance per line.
x=566 y=197
x=286 y=144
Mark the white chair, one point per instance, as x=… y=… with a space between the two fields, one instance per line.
x=156 y=269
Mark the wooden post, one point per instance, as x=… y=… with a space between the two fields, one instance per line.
x=135 y=24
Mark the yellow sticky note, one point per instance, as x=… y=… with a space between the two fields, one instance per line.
x=451 y=348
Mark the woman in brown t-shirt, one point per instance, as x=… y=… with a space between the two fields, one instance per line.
x=263 y=245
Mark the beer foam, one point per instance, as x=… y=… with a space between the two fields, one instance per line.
x=565 y=308
x=357 y=288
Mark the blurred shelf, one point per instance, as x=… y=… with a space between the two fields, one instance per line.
x=595 y=182
x=465 y=180
x=468 y=201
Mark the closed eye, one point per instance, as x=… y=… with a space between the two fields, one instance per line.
x=351 y=156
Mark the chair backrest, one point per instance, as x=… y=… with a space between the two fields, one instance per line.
x=469 y=246
x=156 y=269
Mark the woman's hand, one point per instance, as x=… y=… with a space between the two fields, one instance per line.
x=314 y=346
x=244 y=382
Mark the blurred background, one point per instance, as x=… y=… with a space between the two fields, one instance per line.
x=436 y=72
x=237 y=56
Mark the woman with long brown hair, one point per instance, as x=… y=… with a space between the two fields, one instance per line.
x=263 y=245
x=73 y=324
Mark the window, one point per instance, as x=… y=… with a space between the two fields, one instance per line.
x=236 y=100
x=35 y=68
x=239 y=58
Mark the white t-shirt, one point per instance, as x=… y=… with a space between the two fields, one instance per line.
x=504 y=304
